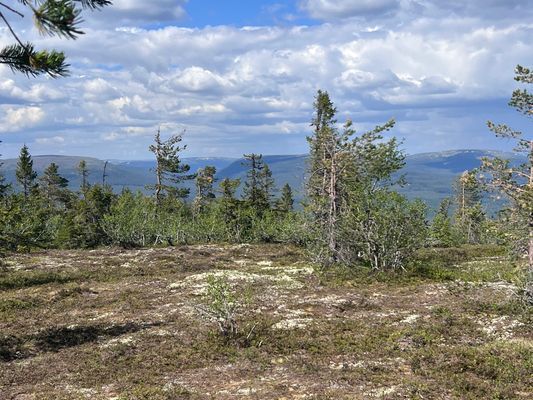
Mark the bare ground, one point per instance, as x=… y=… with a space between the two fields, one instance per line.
x=124 y=324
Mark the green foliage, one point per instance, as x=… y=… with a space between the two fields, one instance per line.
x=221 y=305
x=259 y=184
x=25 y=174
x=469 y=219
x=353 y=215
x=81 y=225
x=84 y=174
x=442 y=232
x=26 y=223
x=516 y=182
x=53 y=18
x=131 y=220
x=384 y=230
x=205 y=179
x=170 y=171
x=53 y=186
x=286 y=201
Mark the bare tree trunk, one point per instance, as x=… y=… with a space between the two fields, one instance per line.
x=529 y=283
x=158 y=170
x=332 y=217
x=158 y=186
x=104 y=175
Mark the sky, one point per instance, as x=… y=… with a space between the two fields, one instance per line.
x=240 y=76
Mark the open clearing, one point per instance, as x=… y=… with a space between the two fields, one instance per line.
x=124 y=324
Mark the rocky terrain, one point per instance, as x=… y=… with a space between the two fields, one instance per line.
x=125 y=324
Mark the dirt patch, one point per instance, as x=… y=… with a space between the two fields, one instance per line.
x=123 y=324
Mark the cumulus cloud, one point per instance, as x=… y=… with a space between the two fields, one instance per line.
x=25 y=92
x=197 y=79
x=241 y=89
x=18 y=118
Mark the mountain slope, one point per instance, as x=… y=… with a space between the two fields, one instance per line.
x=429 y=175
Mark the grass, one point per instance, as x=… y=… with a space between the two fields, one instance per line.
x=121 y=324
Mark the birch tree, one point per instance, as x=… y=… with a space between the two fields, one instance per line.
x=516 y=182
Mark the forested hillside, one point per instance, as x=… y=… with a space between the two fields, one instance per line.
x=429 y=176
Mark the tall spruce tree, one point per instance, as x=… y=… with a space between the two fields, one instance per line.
x=442 y=232
x=259 y=183
x=169 y=170
x=286 y=201
x=328 y=161
x=350 y=204
x=229 y=205
x=59 y=18
x=228 y=187
x=83 y=171
x=516 y=182
x=53 y=186
x=25 y=174
x=267 y=185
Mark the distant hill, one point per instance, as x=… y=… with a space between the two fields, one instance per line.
x=135 y=175
x=429 y=175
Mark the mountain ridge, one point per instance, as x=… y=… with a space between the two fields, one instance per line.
x=430 y=175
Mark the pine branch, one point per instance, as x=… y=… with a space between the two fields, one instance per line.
x=12 y=9
x=58 y=17
x=94 y=4
x=24 y=58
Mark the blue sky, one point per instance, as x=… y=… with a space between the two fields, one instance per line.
x=202 y=13
x=240 y=76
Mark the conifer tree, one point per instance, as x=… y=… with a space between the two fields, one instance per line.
x=52 y=18
x=267 y=185
x=53 y=186
x=329 y=158
x=228 y=188
x=3 y=185
x=205 y=179
x=83 y=171
x=469 y=214
x=230 y=206
x=252 y=188
x=286 y=201
x=351 y=208
x=516 y=182
x=442 y=230
x=25 y=174
x=259 y=184
x=170 y=171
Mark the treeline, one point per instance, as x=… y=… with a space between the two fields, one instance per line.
x=46 y=214
x=352 y=213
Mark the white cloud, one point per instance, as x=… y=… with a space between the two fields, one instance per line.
x=128 y=12
x=203 y=109
x=16 y=119
x=327 y=9
x=197 y=79
x=251 y=89
x=29 y=92
x=50 y=140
